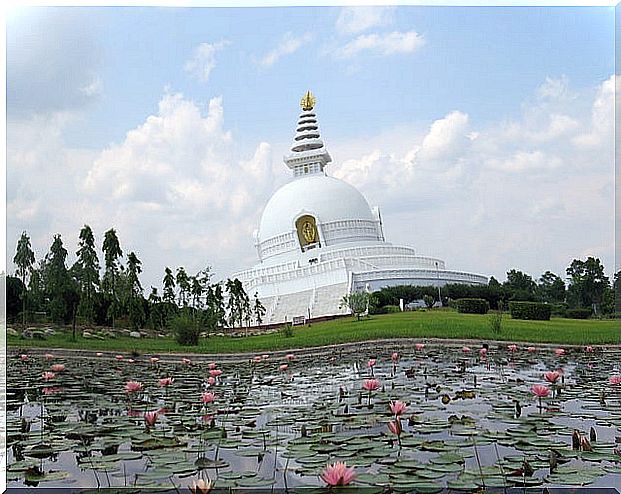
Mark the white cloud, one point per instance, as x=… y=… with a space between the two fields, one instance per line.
x=352 y=20
x=381 y=44
x=289 y=44
x=203 y=60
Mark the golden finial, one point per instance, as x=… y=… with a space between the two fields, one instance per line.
x=308 y=101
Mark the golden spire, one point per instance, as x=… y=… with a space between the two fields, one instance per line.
x=308 y=101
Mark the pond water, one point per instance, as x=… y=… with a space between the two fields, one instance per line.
x=470 y=422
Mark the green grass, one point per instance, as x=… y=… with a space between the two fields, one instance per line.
x=430 y=324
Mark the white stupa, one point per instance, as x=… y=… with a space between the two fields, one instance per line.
x=319 y=240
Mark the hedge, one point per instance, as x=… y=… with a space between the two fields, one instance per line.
x=471 y=305
x=578 y=313
x=530 y=310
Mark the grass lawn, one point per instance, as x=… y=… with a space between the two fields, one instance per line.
x=419 y=324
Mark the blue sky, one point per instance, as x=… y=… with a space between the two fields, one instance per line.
x=513 y=88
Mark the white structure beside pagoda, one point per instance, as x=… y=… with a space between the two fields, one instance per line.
x=319 y=239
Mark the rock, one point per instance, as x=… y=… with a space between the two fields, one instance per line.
x=134 y=334
x=11 y=332
x=27 y=334
x=49 y=331
x=38 y=335
x=86 y=335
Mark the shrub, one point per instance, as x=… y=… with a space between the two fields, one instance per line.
x=530 y=310
x=495 y=319
x=472 y=305
x=185 y=329
x=559 y=310
x=578 y=313
x=287 y=330
x=391 y=309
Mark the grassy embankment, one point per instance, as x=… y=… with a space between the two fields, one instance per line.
x=431 y=324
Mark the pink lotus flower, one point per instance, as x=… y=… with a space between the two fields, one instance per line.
x=512 y=348
x=200 y=487
x=338 y=474
x=531 y=349
x=395 y=427
x=419 y=346
x=215 y=372
x=131 y=360
x=265 y=356
x=150 y=418
x=483 y=352
x=466 y=349
x=371 y=363
x=133 y=387
x=290 y=357
x=212 y=365
x=397 y=407
x=48 y=356
x=615 y=380
x=540 y=390
x=559 y=352
x=588 y=349
x=283 y=367
x=211 y=380
x=186 y=361
x=57 y=367
x=154 y=360
x=395 y=356
x=166 y=381
x=99 y=354
x=257 y=358
x=48 y=375
x=552 y=376
x=119 y=357
x=208 y=397
x=23 y=357
x=371 y=384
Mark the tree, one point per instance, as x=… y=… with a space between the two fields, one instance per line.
x=356 y=302
x=429 y=301
x=215 y=304
x=587 y=283
x=157 y=310
x=24 y=260
x=551 y=288
x=169 y=286
x=86 y=272
x=136 y=307
x=183 y=282
x=112 y=253
x=58 y=281
x=520 y=286
x=14 y=296
x=258 y=309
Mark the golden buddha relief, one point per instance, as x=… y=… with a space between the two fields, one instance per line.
x=307 y=231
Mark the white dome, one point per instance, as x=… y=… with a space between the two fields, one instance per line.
x=326 y=198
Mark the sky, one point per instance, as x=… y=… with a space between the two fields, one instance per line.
x=485 y=134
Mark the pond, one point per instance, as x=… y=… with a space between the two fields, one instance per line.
x=471 y=420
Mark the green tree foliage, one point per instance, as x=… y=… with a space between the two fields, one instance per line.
x=587 y=283
x=136 y=308
x=429 y=300
x=58 y=282
x=520 y=285
x=238 y=304
x=215 y=304
x=258 y=309
x=183 y=283
x=14 y=296
x=185 y=328
x=551 y=288
x=24 y=260
x=357 y=303
x=112 y=254
x=169 y=286
x=86 y=271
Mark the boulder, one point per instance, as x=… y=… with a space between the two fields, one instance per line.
x=11 y=332
x=134 y=334
x=27 y=334
x=86 y=335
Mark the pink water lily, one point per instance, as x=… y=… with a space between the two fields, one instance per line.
x=512 y=348
x=119 y=357
x=48 y=356
x=559 y=352
x=130 y=361
x=395 y=357
x=200 y=487
x=208 y=397
x=23 y=357
x=166 y=381
x=150 y=418
x=419 y=346
x=531 y=349
x=540 y=390
x=48 y=375
x=212 y=365
x=552 y=376
x=397 y=407
x=283 y=367
x=483 y=352
x=215 y=372
x=615 y=380
x=211 y=380
x=265 y=356
x=338 y=474
x=257 y=358
x=290 y=357
x=57 y=367
x=186 y=361
x=51 y=391
x=371 y=384
x=154 y=360
x=99 y=354
x=371 y=362
x=588 y=349
x=395 y=427
x=133 y=387
x=466 y=349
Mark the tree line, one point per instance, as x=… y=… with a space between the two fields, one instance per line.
x=587 y=287
x=91 y=294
